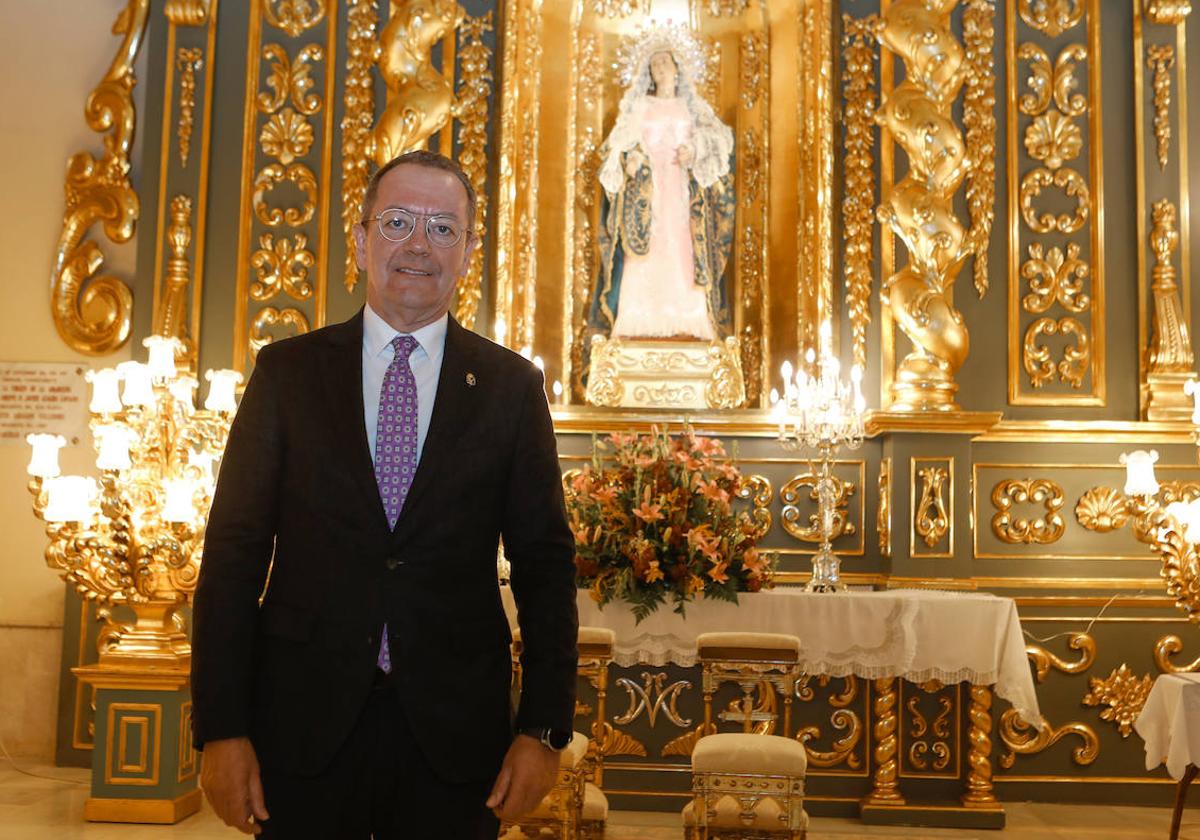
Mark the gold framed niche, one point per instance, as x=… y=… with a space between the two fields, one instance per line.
x=559 y=98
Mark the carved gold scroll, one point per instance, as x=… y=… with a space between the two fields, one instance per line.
x=93 y=313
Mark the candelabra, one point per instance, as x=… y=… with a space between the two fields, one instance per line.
x=821 y=413
x=1166 y=517
x=135 y=536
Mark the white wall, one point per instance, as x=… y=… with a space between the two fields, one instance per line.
x=55 y=53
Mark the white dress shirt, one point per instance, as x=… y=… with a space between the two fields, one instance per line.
x=425 y=361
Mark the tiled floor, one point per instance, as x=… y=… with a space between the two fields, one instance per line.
x=41 y=809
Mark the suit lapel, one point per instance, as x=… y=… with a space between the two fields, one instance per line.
x=342 y=379
x=452 y=407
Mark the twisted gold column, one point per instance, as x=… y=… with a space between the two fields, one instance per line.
x=920 y=209
x=979 y=775
x=885 y=791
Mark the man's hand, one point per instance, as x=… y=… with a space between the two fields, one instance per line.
x=526 y=776
x=230 y=779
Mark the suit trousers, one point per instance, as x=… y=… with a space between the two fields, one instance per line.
x=378 y=787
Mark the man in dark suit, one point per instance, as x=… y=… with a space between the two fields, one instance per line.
x=364 y=690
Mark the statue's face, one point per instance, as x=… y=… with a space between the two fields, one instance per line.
x=663 y=72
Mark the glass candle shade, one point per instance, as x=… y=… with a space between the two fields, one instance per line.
x=43 y=462
x=106 y=398
x=113 y=441
x=69 y=499
x=1139 y=472
x=139 y=386
x=162 y=356
x=222 y=390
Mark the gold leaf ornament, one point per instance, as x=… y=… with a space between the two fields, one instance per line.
x=1102 y=509
x=1053 y=139
x=1123 y=694
x=286 y=136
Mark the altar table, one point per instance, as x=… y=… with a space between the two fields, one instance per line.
x=1170 y=725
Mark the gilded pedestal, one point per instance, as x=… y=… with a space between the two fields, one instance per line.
x=644 y=373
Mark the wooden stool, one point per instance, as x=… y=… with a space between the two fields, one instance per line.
x=560 y=811
x=747 y=787
x=749 y=659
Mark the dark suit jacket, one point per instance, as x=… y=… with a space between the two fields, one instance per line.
x=297 y=496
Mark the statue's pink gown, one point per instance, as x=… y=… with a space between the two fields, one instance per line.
x=659 y=296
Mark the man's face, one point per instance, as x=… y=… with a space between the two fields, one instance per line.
x=411 y=283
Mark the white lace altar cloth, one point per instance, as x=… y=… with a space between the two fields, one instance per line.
x=1170 y=723
x=918 y=635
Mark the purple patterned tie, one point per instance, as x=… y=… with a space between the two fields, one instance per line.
x=396 y=446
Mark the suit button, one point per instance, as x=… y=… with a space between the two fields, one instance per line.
x=371 y=641
x=393 y=563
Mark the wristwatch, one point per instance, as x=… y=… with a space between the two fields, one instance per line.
x=551 y=739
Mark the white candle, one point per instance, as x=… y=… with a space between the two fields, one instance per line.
x=557 y=388
x=222 y=390
x=69 y=499
x=500 y=330
x=179 y=505
x=162 y=356
x=105 y=391
x=43 y=462
x=139 y=387
x=1139 y=472
x=112 y=442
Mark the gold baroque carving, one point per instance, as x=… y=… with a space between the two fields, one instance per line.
x=291 y=79
x=939 y=744
x=1055 y=82
x=653 y=697
x=187 y=12
x=920 y=209
x=757 y=489
x=1067 y=180
x=1043 y=530
x=294 y=16
x=686 y=743
x=883 y=519
x=1168 y=12
x=620 y=9
x=1163 y=650
x=1102 y=509
x=726 y=8
x=475 y=72
x=1170 y=341
x=612 y=741
x=187 y=62
x=272 y=317
x=1019 y=737
x=1161 y=58
x=358 y=103
x=264 y=183
x=932 y=523
x=1043 y=659
x=93 y=314
x=286 y=136
x=1052 y=17
x=1180 y=567
x=1123 y=694
x=1037 y=361
x=842 y=748
x=282 y=265
x=752 y=68
x=1053 y=139
x=170 y=320
x=858 y=215
x=979 y=118
x=1055 y=278
x=420 y=98
x=791 y=493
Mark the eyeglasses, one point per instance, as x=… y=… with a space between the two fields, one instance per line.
x=397 y=225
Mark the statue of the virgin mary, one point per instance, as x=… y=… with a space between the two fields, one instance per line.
x=669 y=215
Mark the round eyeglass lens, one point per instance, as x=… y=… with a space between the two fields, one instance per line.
x=398 y=225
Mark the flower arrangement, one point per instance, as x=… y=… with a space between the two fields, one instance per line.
x=654 y=522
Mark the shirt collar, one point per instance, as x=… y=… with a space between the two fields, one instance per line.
x=378 y=333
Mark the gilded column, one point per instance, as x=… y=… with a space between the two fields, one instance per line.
x=920 y=209
x=979 y=759
x=885 y=791
x=1170 y=360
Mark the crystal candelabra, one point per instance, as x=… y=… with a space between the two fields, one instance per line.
x=135 y=536
x=1166 y=517
x=821 y=413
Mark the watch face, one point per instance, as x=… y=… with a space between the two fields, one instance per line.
x=558 y=738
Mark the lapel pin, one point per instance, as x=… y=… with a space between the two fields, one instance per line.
x=470 y=379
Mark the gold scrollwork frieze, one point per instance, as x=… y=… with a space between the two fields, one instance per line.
x=294 y=16
x=269 y=317
x=757 y=490
x=1053 y=17
x=1043 y=660
x=475 y=86
x=1123 y=694
x=1045 y=529
x=1072 y=184
x=1020 y=738
x=1072 y=368
x=858 y=200
x=935 y=737
x=843 y=749
x=282 y=265
x=266 y=180
x=291 y=78
x=1055 y=278
x=930 y=520
x=619 y=8
x=93 y=314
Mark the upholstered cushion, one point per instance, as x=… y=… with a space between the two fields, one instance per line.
x=596 y=636
x=575 y=751
x=773 y=647
x=595 y=803
x=728 y=815
x=737 y=752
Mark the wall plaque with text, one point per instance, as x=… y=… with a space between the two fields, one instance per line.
x=47 y=397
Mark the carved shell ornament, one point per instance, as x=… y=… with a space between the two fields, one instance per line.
x=1102 y=509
